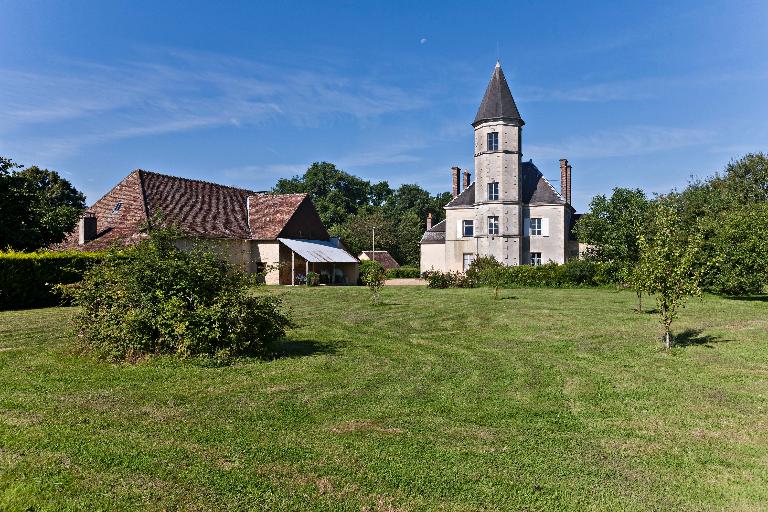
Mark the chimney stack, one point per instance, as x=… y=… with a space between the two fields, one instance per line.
x=87 y=228
x=429 y=221
x=565 y=180
x=455 y=171
x=465 y=183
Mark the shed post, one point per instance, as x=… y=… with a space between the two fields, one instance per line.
x=293 y=268
x=306 y=274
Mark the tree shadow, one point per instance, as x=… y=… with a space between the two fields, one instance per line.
x=691 y=337
x=508 y=297
x=297 y=348
x=755 y=298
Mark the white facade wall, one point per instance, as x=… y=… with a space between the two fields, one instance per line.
x=552 y=242
x=432 y=257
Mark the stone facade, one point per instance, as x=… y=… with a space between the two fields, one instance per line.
x=510 y=211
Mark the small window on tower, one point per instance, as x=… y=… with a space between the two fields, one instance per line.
x=493 y=141
x=117 y=207
x=493 y=191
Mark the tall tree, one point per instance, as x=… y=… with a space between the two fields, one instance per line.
x=611 y=229
x=37 y=206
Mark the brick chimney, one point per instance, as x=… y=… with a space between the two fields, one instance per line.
x=429 y=221
x=465 y=182
x=565 y=180
x=455 y=171
x=87 y=228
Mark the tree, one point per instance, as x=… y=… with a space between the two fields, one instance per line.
x=37 y=206
x=357 y=231
x=611 y=229
x=373 y=275
x=335 y=193
x=728 y=208
x=668 y=265
x=486 y=270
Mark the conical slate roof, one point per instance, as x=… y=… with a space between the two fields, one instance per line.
x=498 y=102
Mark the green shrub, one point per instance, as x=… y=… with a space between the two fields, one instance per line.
x=403 y=273
x=373 y=276
x=28 y=279
x=154 y=298
x=313 y=279
x=437 y=279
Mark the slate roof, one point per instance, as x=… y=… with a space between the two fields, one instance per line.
x=535 y=190
x=435 y=234
x=383 y=257
x=198 y=208
x=497 y=102
x=466 y=198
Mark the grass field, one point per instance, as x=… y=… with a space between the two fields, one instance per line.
x=437 y=400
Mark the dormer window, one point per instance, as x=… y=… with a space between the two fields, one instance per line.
x=493 y=141
x=493 y=191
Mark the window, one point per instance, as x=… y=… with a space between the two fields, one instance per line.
x=117 y=207
x=535 y=259
x=493 y=141
x=535 y=227
x=468 y=259
x=468 y=228
x=493 y=225
x=493 y=191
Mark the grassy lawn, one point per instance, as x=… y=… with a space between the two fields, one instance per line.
x=437 y=400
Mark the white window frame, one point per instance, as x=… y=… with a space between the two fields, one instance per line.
x=493 y=191
x=535 y=224
x=536 y=259
x=467 y=223
x=467 y=259
x=493 y=225
x=492 y=141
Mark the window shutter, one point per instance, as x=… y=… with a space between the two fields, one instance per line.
x=545 y=227
x=526 y=227
x=459 y=233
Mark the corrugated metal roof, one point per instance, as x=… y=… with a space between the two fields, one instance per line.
x=318 y=251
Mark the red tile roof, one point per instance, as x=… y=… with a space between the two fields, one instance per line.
x=198 y=208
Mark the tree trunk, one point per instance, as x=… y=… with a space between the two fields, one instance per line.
x=667 y=340
x=639 y=301
x=496 y=293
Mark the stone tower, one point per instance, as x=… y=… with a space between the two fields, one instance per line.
x=498 y=157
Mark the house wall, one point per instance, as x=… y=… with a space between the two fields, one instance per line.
x=455 y=245
x=552 y=247
x=266 y=252
x=432 y=257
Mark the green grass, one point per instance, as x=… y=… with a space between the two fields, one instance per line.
x=437 y=400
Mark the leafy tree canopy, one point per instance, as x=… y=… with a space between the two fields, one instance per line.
x=37 y=206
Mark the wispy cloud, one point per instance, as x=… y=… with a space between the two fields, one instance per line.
x=631 y=140
x=177 y=92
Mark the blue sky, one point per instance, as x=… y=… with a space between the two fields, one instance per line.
x=634 y=94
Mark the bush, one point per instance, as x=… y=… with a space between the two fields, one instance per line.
x=403 y=273
x=437 y=279
x=486 y=271
x=28 y=279
x=313 y=279
x=156 y=299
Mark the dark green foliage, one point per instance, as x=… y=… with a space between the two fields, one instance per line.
x=486 y=270
x=37 y=206
x=403 y=273
x=573 y=274
x=28 y=280
x=437 y=279
x=155 y=298
x=313 y=279
x=729 y=210
x=350 y=206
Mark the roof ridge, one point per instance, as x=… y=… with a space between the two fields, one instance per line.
x=198 y=181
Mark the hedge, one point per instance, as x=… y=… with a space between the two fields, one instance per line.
x=27 y=279
x=573 y=274
x=403 y=273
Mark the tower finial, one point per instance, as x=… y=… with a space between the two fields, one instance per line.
x=498 y=64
